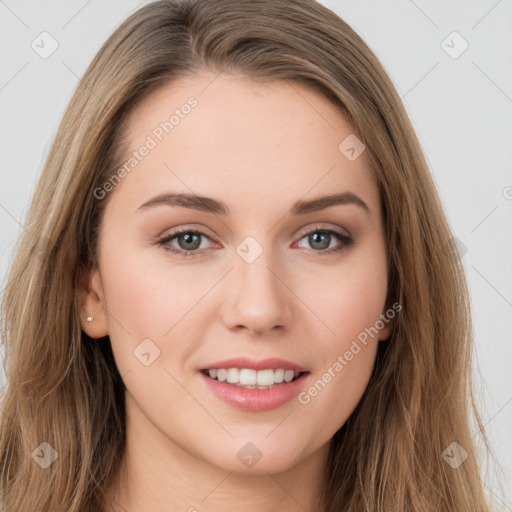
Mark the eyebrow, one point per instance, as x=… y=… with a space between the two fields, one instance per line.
x=210 y=205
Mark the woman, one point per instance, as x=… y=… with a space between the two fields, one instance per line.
x=238 y=288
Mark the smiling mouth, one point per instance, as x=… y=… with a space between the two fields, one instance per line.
x=248 y=378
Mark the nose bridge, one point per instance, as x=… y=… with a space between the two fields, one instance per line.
x=257 y=298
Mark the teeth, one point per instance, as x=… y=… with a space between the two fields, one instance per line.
x=233 y=375
x=288 y=375
x=248 y=377
x=266 y=378
x=252 y=379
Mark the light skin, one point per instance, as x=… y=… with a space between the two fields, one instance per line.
x=258 y=148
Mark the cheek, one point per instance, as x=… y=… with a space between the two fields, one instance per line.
x=344 y=358
x=150 y=297
x=347 y=298
x=349 y=303
x=346 y=353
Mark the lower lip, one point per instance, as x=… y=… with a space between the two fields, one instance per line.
x=255 y=400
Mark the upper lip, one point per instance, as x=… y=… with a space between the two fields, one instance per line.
x=271 y=363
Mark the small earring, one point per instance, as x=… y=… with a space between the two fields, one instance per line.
x=89 y=319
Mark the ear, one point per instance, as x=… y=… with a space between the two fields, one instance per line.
x=91 y=303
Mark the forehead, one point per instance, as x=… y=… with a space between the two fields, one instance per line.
x=244 y=141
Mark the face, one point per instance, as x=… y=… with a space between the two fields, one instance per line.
x=214 y=246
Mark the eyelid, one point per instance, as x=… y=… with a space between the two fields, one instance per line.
x=301 y=233
x=323 y=227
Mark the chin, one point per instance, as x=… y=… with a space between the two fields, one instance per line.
x=260 y=468
x=257 y=457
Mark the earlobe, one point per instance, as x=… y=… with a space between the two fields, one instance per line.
x=387 y=329
x=389 y=318
x=91 y=304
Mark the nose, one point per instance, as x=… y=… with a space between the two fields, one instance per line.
x=258 y=298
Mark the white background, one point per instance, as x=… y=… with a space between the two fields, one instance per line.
x=461 y=109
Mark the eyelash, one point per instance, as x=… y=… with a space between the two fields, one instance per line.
x=346 y=241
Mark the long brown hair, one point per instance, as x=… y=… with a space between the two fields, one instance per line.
x=63 y=388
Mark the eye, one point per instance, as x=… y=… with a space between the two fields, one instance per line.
x=188 y=242
x=321 y=240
